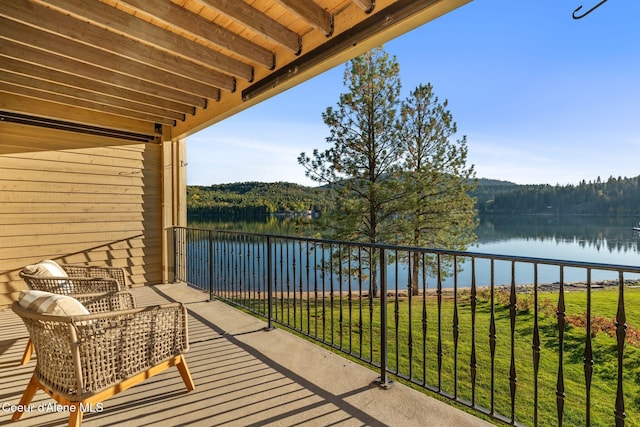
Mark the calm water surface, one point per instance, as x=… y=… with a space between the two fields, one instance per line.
x=606 y=240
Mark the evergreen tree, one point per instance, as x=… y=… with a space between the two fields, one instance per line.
x=361 y=165
x=393 y=180
x=436 y=210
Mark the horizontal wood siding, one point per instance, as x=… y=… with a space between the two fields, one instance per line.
x=78 y=198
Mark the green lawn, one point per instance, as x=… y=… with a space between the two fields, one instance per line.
x=346 y=324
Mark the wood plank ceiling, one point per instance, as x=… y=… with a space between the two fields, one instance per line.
x=148 y=66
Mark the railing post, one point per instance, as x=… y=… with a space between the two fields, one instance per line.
x=383 y=381
x=269 y=286
x=175 y=254
x=621 y=331
x=211 y=265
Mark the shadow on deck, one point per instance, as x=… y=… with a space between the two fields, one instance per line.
x=244 y=376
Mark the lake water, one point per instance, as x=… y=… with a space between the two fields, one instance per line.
x=608 y=240
x=604 y=240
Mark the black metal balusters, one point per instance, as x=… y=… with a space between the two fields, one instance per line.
x=561 y=314
x=250 y=270
x=340 y=312
x=513 y=310
x=331 y=296
x=621 y=328
x=269 y=284
x=370 y=301
x=396 y=313
x=588 y=353
x=535 y=346
x=439 y=297
x=455 y=327
x=493 y=339
x=424 y=321
x=360 y=311
x=383 y=381
x=473 y=362
x=410 y=313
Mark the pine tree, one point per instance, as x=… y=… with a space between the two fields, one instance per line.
x=362 y=162
x=393 y=181
x=436 y=210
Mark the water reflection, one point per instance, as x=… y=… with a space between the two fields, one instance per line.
x=573 y=238
x=284 y=225
x=584 y=239
x=598 y=233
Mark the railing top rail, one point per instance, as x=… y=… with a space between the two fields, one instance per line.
x=499 y=257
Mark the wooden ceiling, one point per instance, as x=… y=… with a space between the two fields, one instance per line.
x=173 y=67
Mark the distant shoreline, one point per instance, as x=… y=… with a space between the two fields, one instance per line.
x=447 y=292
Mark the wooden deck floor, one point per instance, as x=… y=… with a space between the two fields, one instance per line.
x=244 y=376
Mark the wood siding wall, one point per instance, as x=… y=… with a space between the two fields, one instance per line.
x=78 y=199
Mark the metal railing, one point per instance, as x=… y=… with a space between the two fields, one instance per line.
x=506 y=336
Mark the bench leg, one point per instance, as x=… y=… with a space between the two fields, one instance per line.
x=28 y=351
x=75 y=417
x=27 y=397
x=185 y=374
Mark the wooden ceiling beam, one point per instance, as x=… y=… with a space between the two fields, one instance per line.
x=106 y=20
x=64 y=48
x=10 y=65
x=95 y=45
x=84 y=94
x=136 y=64
x=67 y=135
x=366 y=5
x=76 y=69
x=368 y=30
x=309 y=11
x=25 y=105
x=185 y=21
x=251 y=18
x=72 y=102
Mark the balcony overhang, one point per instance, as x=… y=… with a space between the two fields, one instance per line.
x=137 y=66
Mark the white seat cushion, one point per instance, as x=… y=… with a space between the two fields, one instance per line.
x=46 y=302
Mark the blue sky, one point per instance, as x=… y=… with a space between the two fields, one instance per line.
x=541 y=97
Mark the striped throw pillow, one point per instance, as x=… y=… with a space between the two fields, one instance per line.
x=48 y=303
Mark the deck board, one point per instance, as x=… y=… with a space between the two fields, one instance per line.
x=244 y=376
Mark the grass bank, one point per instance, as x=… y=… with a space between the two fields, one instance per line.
x=425 y=348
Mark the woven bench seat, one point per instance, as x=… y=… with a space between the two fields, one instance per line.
x=85 y=359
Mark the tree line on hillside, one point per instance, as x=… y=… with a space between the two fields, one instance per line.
x=254 y=198
x=616 y=196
